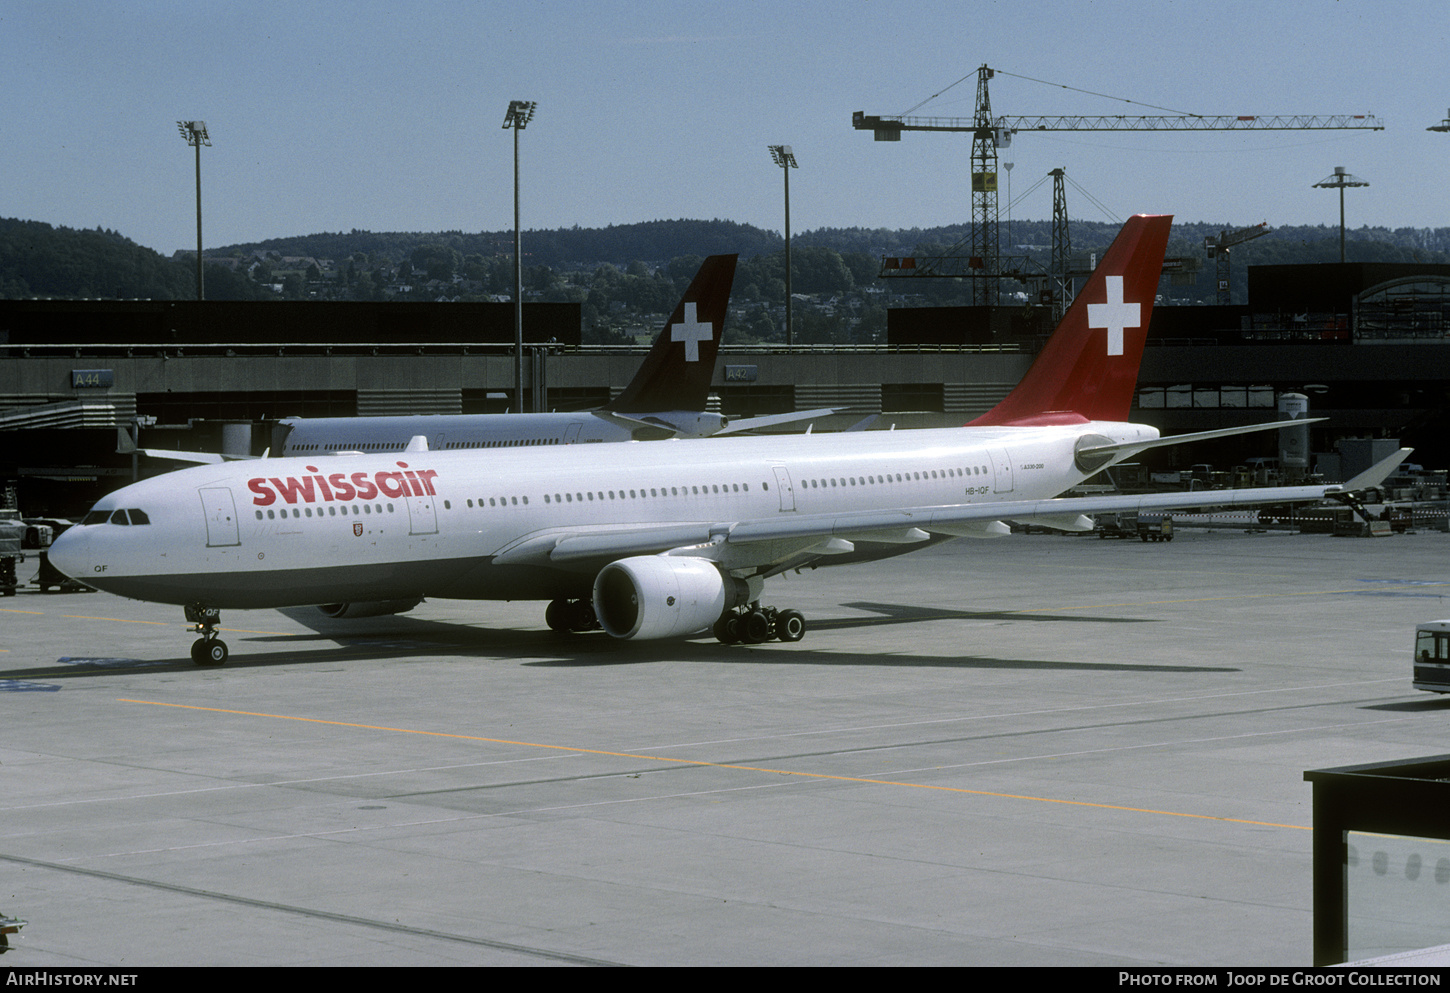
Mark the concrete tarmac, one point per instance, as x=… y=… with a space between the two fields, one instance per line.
x=1039 y=750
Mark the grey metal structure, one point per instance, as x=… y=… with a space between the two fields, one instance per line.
x=520 y=113
x=782 y=156
x=1218 y=249
x=195 y=134
x=1339 y=181
x=1061 y=247
x=986 y=242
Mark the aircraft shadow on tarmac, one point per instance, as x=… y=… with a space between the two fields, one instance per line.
x=400 y=637
x=897 y=613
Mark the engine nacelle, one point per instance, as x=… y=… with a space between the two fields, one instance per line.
x=661 y=596
x=369 y=608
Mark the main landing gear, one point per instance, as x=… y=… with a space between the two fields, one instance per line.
x=755 y=624
x=208 y=650
x=571 y=615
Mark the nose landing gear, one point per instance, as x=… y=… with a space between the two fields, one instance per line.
x=208 y=650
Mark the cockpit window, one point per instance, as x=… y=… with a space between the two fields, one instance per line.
x=127 y=516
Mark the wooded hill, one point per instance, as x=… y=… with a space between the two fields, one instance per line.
x=39 y=260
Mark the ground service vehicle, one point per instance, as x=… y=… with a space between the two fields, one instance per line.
x=1432 y=656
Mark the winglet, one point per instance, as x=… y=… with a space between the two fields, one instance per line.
x=1377 y=473
x=1088 y=369
x=676 y=373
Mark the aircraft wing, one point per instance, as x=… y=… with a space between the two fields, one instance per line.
x=728 y=541
x=770 y=420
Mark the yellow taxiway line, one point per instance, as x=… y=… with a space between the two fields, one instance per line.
x=720 y=765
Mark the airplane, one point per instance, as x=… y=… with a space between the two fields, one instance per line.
x=665 y=399
x=658 y=540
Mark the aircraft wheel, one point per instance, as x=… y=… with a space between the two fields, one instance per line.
x=581 y=616
x=727 y=628
x=209 y=652
x=556 y=615
x=790 y=625
x=756 y=628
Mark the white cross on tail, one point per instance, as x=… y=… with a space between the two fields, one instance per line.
x=1115 y=315
x=692 y=332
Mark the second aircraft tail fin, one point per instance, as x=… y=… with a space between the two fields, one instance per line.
x=676 y=373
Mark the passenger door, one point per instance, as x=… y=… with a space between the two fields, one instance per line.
x=783 y=484
x=221 y=516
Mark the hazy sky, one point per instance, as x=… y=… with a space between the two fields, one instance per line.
x=327 y=116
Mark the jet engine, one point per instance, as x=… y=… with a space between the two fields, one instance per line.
x=660 y=596
x=369 y=608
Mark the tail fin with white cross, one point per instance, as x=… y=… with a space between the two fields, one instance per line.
x=1088 y=369
x=676 y=373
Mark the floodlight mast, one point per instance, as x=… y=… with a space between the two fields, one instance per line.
x=195 y=134
x=520 y=113
x=1339 y=181
x=782 y=156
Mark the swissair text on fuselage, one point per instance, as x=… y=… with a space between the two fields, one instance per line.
x=342 y=486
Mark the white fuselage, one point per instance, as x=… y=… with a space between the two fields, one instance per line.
x=494 y=525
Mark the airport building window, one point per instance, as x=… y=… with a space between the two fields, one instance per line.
x=1205 y=397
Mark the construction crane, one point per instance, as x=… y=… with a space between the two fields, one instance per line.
x=985 y=261
x=1218 y=248
x=1057 y=276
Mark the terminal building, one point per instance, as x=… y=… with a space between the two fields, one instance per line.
x=1366 y=343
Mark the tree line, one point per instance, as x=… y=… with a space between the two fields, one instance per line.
x=620 y=273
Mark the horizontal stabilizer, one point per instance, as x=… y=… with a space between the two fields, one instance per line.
x=771 y=420
x=207 y=458
x=1127 y=449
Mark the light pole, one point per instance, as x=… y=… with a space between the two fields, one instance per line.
x=785 y=158
x=520 y=113
x=1339 y=181
x=195 y=134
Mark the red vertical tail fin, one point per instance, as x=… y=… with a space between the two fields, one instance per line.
x=676 y=373
x=1088 y=369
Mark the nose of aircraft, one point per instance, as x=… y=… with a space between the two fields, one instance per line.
x=68 y=553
